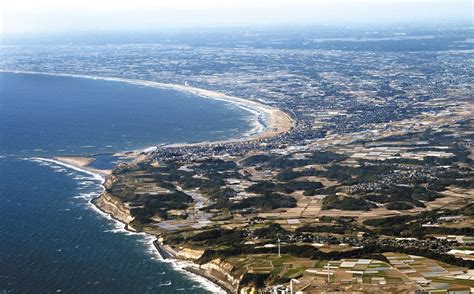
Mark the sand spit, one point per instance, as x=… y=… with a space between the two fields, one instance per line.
x=77 y=161
x=82 y=163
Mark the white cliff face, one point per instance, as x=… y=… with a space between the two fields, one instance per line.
x=109 y=181
x=221 y=270
x=188 y=253
x=217 y=270
x=113 y=206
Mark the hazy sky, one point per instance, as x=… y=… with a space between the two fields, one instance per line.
x=31 y=16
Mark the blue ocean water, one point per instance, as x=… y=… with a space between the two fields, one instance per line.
x=52 y=240
x=45 y=115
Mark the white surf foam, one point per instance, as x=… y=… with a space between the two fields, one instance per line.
x=119 y=227
x=180 y=265
x=86 y=196
x=94 y=176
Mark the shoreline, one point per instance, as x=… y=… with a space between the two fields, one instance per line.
x=82 y=163
x=163 y=254
x=192 y=268
x=276 y=121
x=91 y=172
x=121 y=227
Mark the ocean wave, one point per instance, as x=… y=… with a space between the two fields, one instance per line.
x=115 y=231
x=87 y=196
x=167 y=283
x=177 y=265
x=87 y=183
x=95 y=176
x=118 y=227
x=180 y=265
x=79 y=178
x=148 y=241
x=37 y=161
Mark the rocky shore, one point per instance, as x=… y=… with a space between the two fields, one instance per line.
x=216 y=271
x=215 y=274
x=111 y=205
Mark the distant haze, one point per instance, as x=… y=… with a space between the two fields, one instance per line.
x=56 y=16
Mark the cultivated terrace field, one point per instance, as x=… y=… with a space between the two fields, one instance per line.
x=358 y=216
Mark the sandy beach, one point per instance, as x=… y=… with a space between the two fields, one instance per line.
x=277 y=121
x=77 y=161
x=83 y=163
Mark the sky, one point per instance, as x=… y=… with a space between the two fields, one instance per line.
x=59 y=16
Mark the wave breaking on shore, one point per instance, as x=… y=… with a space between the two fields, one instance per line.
x=119 y=227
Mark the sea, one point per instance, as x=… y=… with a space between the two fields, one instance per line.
x=52 y=240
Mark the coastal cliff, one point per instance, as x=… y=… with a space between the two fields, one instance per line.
x=188 y=253
x=218 y=272
x=114 y=207
x=221 y=270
